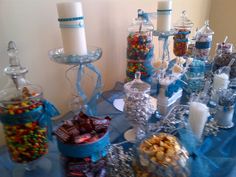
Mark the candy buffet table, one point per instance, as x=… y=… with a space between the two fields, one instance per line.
x=218 y=153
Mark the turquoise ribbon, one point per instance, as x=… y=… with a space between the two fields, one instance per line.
x=203 y=45
x=95 y=150
x=164 y=12
x=80 y=25
x=89 y=103
x=70 y=19
x=42 y=114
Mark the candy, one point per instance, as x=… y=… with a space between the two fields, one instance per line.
x=223 y=60
x=181 y=42
x=77 y=167
x=26 y=142
x=82 y=129
x=139 y=53
x=161 y=155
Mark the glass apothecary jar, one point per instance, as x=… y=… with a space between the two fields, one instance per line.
x=183 y=29
x=140 y=48
x=203 y=42
x=24 y=113
x=138 y=107
x=224 y=55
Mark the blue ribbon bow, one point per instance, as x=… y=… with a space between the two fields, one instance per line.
x=42 y=114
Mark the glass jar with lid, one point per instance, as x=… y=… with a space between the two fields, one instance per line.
x=203 y=42
x=24 y=113
x=138 y=107
x=183 y=29
x=140 y=47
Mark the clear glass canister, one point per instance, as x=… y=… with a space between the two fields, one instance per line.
x=224 y=54
x=20 y=108
x=161 y=155
x=140 y=48
x=183 y=29
x=203 y=42
x=138 y=107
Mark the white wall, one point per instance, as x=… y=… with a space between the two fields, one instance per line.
x=33 y=25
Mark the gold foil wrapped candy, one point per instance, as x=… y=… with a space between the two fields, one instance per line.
x=161 y=155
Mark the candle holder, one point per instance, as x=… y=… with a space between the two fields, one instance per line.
x=81 y=100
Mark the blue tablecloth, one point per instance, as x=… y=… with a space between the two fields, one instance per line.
x=219 y=153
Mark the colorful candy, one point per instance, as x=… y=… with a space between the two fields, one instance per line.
x=26 y=142
x=139 y=54
x=181 y=42
x=26 y=139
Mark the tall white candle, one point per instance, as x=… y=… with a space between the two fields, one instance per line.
x=198 y=115
x=221 y=81
x=72 y=28
x=164 y=11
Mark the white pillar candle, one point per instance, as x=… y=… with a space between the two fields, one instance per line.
x=198 y=115
x=72 y=28
x=164 y=11
x=220 y=81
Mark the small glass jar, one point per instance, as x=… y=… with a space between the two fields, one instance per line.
x=225 y=108
x=21 y=108
x=183 y=29
x=138 y=108
x=140 y=49
x=203 y=42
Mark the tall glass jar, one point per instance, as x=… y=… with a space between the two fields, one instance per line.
x=224 y=54
x=203 y=42
x=138 y=107
x=22 y=113
x=140 y=49
x=183 y=29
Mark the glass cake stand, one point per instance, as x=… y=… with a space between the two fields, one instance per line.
x=81 y=100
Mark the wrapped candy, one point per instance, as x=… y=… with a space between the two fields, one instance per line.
x=203 y=42
x=224 y=55
x=161 y=155
x=138 y=107
x=140 y=48
x=83 y=143
x=183 y=28
x=24 y=113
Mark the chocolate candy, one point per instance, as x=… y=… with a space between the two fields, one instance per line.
x=26 y=142
x=223 y=60
x=139 y=54
x=82 y=129
x=74 y=167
